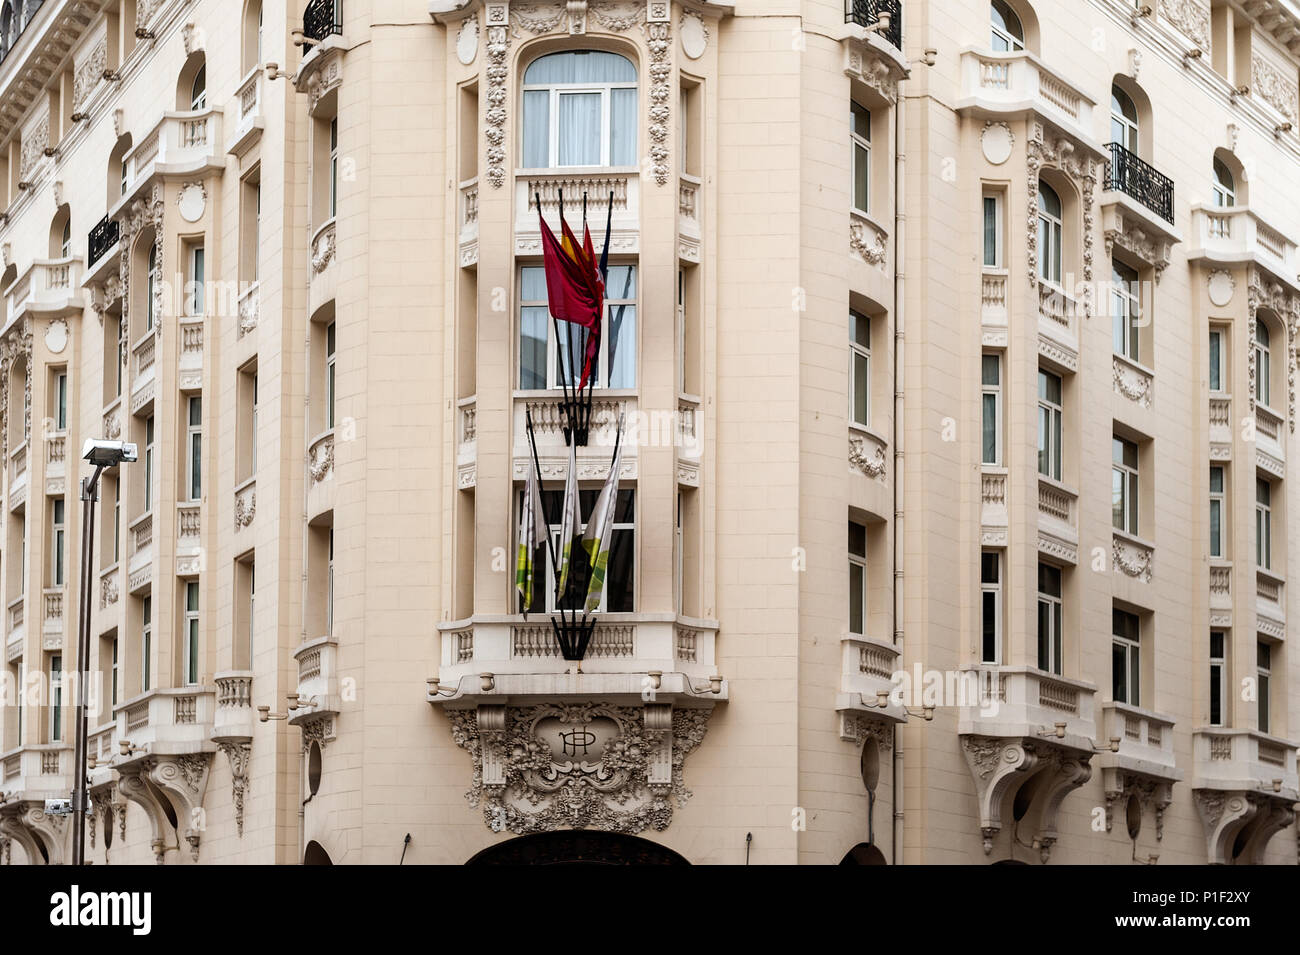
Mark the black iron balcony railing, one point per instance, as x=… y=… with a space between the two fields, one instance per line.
x=101 y=239
x=867 y=13
x=322 y=18
x=1130 y=175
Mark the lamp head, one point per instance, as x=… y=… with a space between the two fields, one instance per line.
x=105 y=454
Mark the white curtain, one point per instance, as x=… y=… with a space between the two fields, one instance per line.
x=579 y=129
x=537 y=125
x=622 y=127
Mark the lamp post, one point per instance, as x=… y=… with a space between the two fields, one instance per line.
x=101 y=454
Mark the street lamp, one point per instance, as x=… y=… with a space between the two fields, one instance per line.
x=101 y=454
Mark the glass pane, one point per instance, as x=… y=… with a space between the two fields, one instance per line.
x=619 y=576
x=1216 y=480
x=1117 y=498
x=990 y=231
x=859 y=329
x=1044 y=459
x=1044 y=635
x=1132 y=503
x=622 y=346
x=622 y=127
x=857 y=539
x=1216 y=538
x=532 y=347
x=579 y=129
x=1264 y=656
x=532 y=284
x=1117 y=309
x=196 y=466
x=580 y=66
x=860 y=117
x=1216 y=695
x=988 y=628
x=856 y=600
x=988 y=568
x=1215 y=344
x=861 y=177
x=537 y=126
x=1216 y=644
x=861 y=389
x=1134 y=677
x=1118 y=673
x=1056 y=445
x=621 y=283
x=1263 y=704
x=990 y=370
x=989 y=451
x=1049 y=580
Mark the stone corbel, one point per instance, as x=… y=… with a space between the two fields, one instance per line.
x=14 y=828
x=860 y=727
x=133 y=783
x=1153 y=793
x=492 y=734
x=34 y=830
x=874 y=68
x=105 y=795
x=997 y=766
x=1224 y=814
x=1063 y=772
x=1271 y=817
x=183 y=780
x=1139 y=241
x=237 y=752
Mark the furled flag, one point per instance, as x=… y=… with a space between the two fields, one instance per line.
x=532 y=534
x=570 y=521
x=596 y=539
x=574 y=290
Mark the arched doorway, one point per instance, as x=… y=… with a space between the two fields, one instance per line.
x=864 y=854
x=572 y=846
x=316 y=855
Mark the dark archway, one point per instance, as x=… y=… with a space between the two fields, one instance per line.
x=316 y=855
x=864 y=854
x=574 y=846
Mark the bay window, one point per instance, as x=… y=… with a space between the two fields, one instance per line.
x=544 y=360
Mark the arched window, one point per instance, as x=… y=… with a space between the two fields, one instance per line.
x=1263 y=363
x=579 y=110
x=1225 y=186
x=1123 y=120
x=199 y=89
x=7 y=28
x=151 y=283
x=1049 y=233
x=1008 y=33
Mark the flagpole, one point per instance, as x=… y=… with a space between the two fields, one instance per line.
x=532 y=443
x=555 y=322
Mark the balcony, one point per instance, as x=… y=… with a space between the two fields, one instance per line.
x=41 y=770
x=1132 y=381
x=868 y=668
x=993 y=297
x=320 y=474
x=690 y=218
x=143 y=354
x=1007 y=85
x=140 y=567
x=100 y=242
x=469 y=222
x=593 y=460
x=180 y=144
x=235 y=716
x=324 y=270
x=467 y=442
x=1245 y=787
x=880 y=16
x=1132 y=556
x=49 y=288
x=1221 y=586
x=1058 y=520
x=248 y=128
x=1141 y=181
x=168 y=721
x=17 y=476
x=1270 y=434
x=1270 y=602
x=1236 y=234
x=189 y=542
x=52 y=621
x=494 y=657
x=320 y=19
x=597 y=184
x=318 y=680
x=1144 y=766
x=1220 y=426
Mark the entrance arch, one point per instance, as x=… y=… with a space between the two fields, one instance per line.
x=864 y=854
x=316 y=855
x=570 y=846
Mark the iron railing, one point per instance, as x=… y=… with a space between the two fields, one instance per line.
x=101 y=239
x=1130 y=175
x=322 y=18
x=867 y=13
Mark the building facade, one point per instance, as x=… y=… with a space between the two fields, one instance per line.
x=872 y=597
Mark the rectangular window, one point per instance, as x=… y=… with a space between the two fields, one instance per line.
x=252 y=606
x=991 y=606
x=194 y=445
x=252 y=432
x=1216 y=511
x=58 y=541
x=334 y=166
x=195 y=300
x=860 y=368
x=146 y=642
x=545 y=360
x=1049 y=424
x=1126 y=310
x=117 y=519
x=991 y=409
x=191 y=660
x=860 y=139
x=1264 y=671
x=56 y=698
x=620 y=573
x=992 y=231
x=1263 y=365
x=148 y=464
x=329 y=375
x=61 y=401
x=1218 y=678
x=579 y=112
x=1050 y=641
x=329 y=598
x=1216 y=359
x=1124 y=657
x=857 y=578
x=1263 y=524
x=1124 y=485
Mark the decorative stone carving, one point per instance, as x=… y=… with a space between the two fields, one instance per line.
x=1132 y=383
x=1153 y=793
x=327 y=75
x=497 y=18
x=867 y=456
x=1220 y=286
x=1272 y=86
x=467 y=40
x=578 y=765
x=869 y=66
x=860 y=727
x=867 y=241
x=319 y=731
x=1266 y=292
x=694 y=34
x=89 y=73
x=1190 y=18
x=997 y=141
x=320 y=459
x=107 y=591
x=658 y=35
x=245 y=506
x=249 y=312
x=1131 y=560
x=237 y=752
x=34 y=145
x=1071 y=159
x=1129 y=235
x=323 y=249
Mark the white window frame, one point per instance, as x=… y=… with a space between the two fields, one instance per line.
x=252 y=435
x=1119 y=123
x=199 y=89
x=1225 y=196
x=117 y=519
x=56 y=698
x=252 y=606
x=1218 y=510
x=1218 y=339
x=993 y=201
x=553 y=358
x=58 y=540
x=1132 y=652
x=61 y=400
x=190 y=656
x=1130 y=483
x=117 y=672
x=546 y=575
x=151 y=283
x=1219 y=677
x=858 y=142
x=859 y=351
x=1126 y=312
x=146 y=640
x=991 y=391
x=1264 y=684
x=194 y=449
x=329 y=598
x=196 y=301
x=555 y=91
x=1013 y=43
x=148 y=463
x=991 y=602
x=1052 y=415
x=1055 y=604
x=331 y=344
x=1051 y=240
x=1263 y=523
x=859 y=562
x=334 y=167
x=65 y=243
x=1263 y=363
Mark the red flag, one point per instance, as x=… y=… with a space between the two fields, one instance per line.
x=574 y=290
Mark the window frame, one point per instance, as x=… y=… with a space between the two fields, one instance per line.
x=196 y=300
x=1263 y=364
x=1052 y=414
x=58 y=540
x=995 y=199
x=859 y=354
x=1214 y=352
x=190 y=635
x=1126 y=312
x=61 y=399
x=194 y=448
x=555 y=90
x=56 y=697
x=1224 y=195
x=1218 y=511
x=545 y=579
x=1002 y=34
x=1219 y=678
x=148 y=463
x=1129 y=650
x=146 y=640
x=1051 y=238
x=859 y=146
x=1051 y=648
x=1130 y=486
x=991 y=596
x=1263 y=523
x=1263 y=684
x=334 y=166
x=991 y=390
x=858 y=562
x=331 y=343
x=553 y=351
x=1126 y=127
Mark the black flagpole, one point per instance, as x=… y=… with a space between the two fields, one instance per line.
x=532 y=443
x=564 y=381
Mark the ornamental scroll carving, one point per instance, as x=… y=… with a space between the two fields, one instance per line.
x=1273 y=86
x=867 y=456
x=578 y=765
x=505 y=22
x=89 y=72
x=1265 y=292
x=1063 y=154
x=1190 y=18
